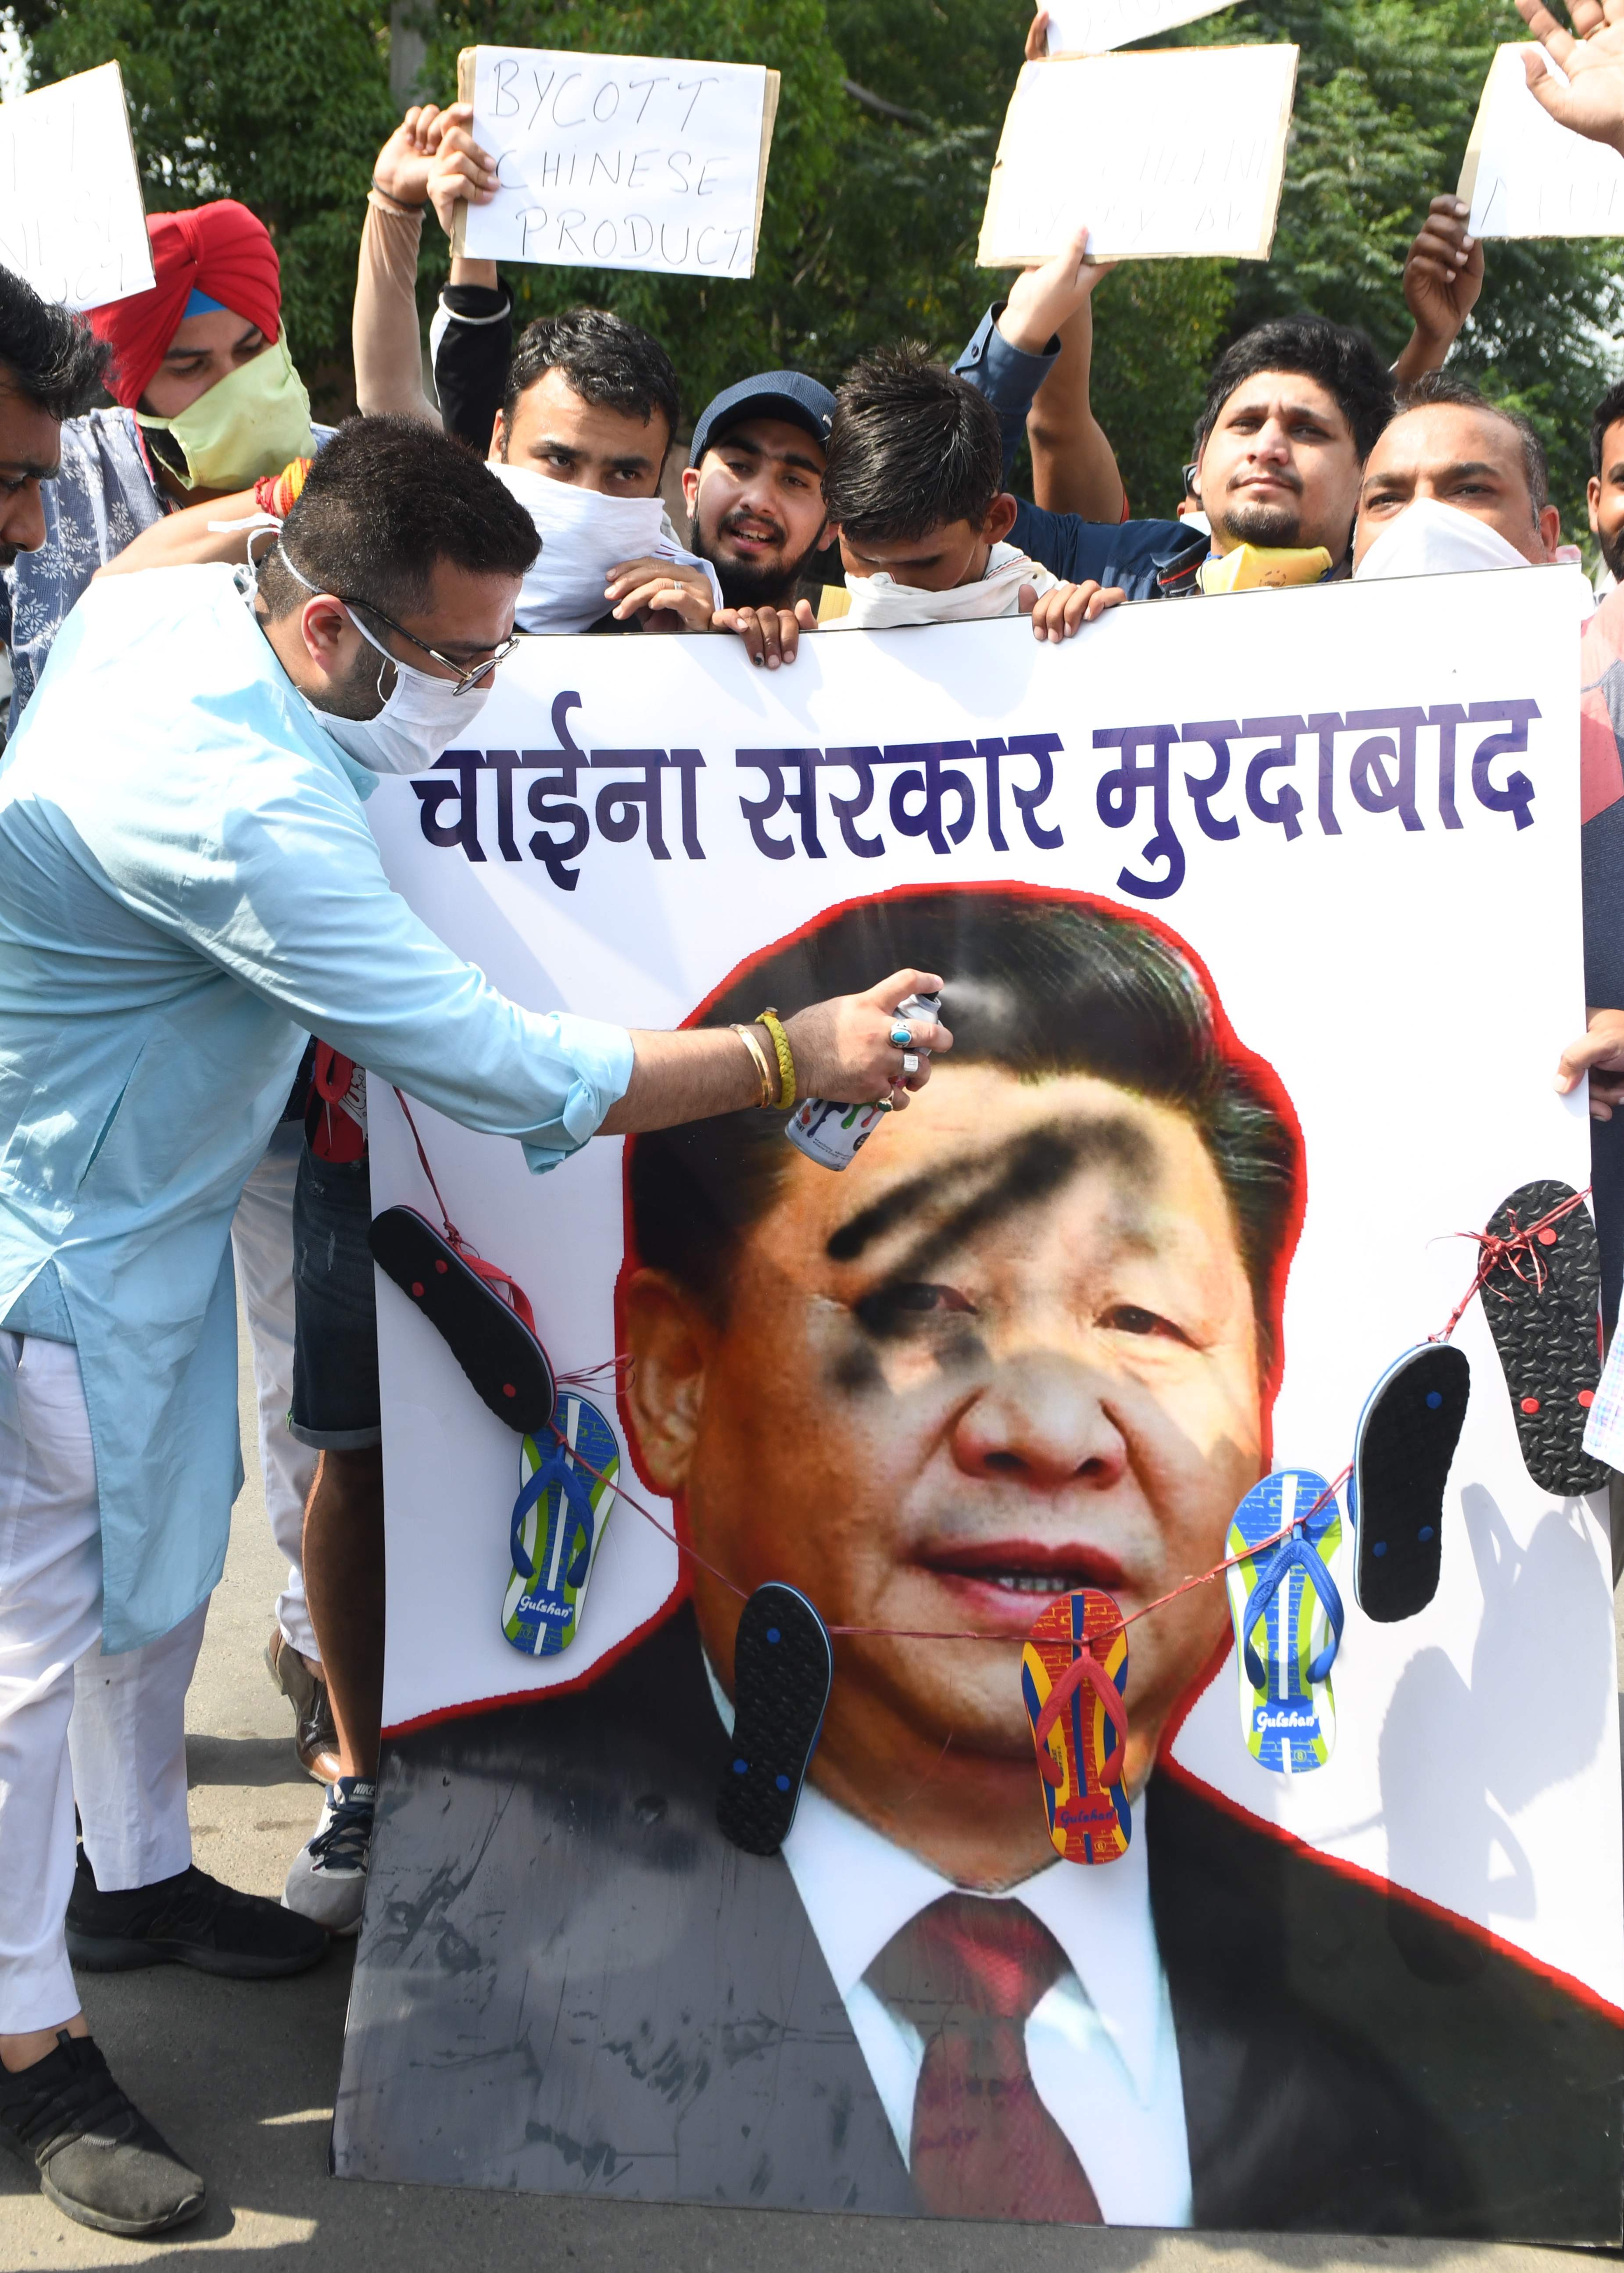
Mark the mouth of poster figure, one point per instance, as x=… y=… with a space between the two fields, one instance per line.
x=1034 y=1572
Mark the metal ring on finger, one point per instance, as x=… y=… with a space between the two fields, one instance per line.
x=901 y=1036
x=910 y=1061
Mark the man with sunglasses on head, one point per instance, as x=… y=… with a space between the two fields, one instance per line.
x=188 y=886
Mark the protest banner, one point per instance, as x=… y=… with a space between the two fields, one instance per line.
x=1092 y=28
x=618 y=161
x=988 y=1361
x=1171 y=154
x=1523 y=175
x=71 y=221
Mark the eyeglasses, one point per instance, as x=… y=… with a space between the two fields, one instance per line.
x=464 y=678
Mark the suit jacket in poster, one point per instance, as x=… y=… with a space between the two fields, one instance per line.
x=569 y=1980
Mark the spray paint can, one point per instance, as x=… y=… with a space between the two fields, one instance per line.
x=834 y=1134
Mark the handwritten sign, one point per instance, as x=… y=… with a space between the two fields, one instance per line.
x=618 y=161
x=72 y=221
x=1168 y=156
x=1525 y=175
x=1092 y=27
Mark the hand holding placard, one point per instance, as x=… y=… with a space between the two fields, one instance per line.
x=618 y=161
x=71 y=221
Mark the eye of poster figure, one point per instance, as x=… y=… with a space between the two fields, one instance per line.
x=892 y=1310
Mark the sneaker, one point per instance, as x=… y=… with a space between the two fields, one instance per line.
x=315 y=1739
x=98 y=2157
x=328 y=1879
x=190 y=1919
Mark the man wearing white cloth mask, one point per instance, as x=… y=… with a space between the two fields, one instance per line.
x=587 y=417
x=187 y=885
x=1454 y=483
x=914 y=482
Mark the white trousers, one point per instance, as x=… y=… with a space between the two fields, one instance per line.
x=262 y=1243
x=123 y=1718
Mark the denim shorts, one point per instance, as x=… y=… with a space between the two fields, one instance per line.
x=335 y=1403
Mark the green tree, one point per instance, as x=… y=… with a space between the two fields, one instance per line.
x=1387 y=92
x=714 y=331
x=283 y=103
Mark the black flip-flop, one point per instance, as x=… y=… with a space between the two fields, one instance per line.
x=1401 y=1451
x=1542 y=1305
x=495 y=1344
x=783 y=1667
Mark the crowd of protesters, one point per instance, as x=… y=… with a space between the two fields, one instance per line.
x=199 y=953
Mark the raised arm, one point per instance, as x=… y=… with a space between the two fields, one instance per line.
x=1443 y=276
x=385 y=334
x=471 y=336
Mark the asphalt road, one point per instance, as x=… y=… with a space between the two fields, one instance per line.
x=240 y=2078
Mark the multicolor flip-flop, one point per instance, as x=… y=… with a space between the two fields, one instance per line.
x=1288 y=1617
x=1074 y=1673
x=783 y=1667
x=1401 y=1451
x=492 y=1338
x=1542 y=1308
x=559 y=1521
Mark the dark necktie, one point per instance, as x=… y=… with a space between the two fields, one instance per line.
x=967 y=1973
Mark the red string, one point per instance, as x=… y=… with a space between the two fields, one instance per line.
x=1495 y=1251
x=493 y=1273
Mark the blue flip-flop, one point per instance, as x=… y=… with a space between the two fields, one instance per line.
x=1289 y=1616
x=557 y=1527
x=1401 y=1452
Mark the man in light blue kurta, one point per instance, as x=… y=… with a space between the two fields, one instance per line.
x=188 y=888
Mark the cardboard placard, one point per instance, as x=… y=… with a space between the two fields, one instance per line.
x=1526 y=176
x=72 y=221
x=1131 y=145
x=618 y=161
x=1092 y=27
x=994 y=1359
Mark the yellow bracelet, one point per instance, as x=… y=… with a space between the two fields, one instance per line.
x=786 y=1063
x=764 y=1072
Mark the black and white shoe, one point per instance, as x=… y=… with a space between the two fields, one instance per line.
x=98 y=2157
x=328 y=1880
x=190 y=1919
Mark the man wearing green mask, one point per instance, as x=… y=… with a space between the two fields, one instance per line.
x=208 y=400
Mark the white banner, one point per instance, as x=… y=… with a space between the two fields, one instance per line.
x=1360 y=814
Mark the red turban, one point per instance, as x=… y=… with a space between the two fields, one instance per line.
x=219 y=249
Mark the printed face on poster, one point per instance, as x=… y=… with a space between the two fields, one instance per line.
x=1260 y=930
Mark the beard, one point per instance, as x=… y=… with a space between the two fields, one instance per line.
x=1611 y=551
x=1264 y=524
x=355 y=695
x=752 y=583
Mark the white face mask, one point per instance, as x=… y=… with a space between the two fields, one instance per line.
x=421 y=717
x=583 y=535
x=1429 y=539
x=880 y=604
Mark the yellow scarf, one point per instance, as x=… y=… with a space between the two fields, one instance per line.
x=1250 y=565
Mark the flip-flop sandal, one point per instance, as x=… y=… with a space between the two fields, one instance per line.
x=1401 y=1451
x=1073 y=1673
x=783 y=1667
x=1542 y=1308
x=493 y=1341
x=559 y=1521
x=1288 y=1617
